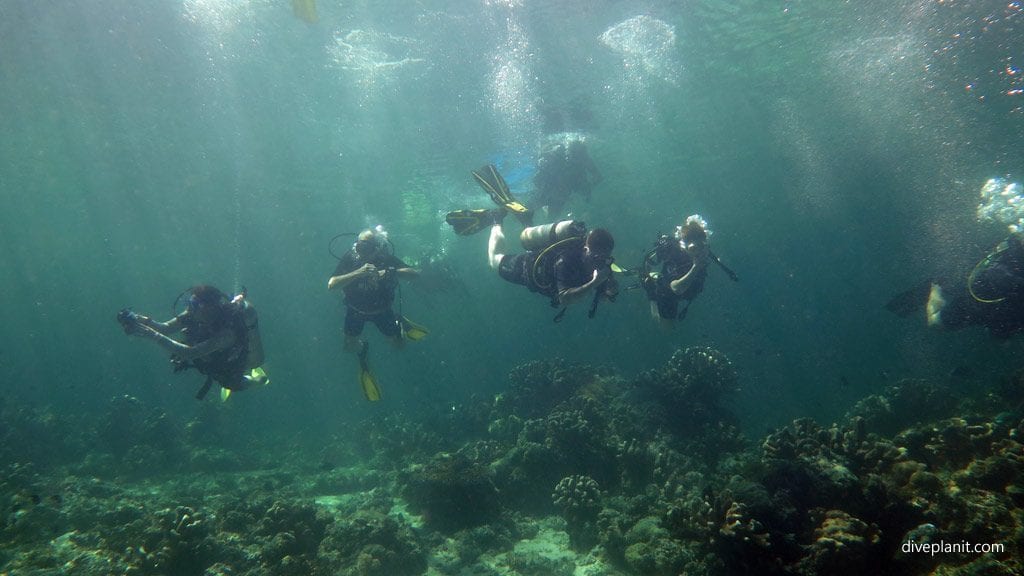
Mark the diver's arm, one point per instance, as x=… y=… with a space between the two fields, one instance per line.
x=682 y=284
x=223 y=339
x=400 y=268
x=570 y=296
x=169 y=327
x=699 y=256
x=342 y=280
x=407 y=273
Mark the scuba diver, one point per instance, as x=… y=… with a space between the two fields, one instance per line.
x=992 y=294
x=368 y=274
x=220 y=339
x=684 y=260
x=563 y=168
x=563 y=260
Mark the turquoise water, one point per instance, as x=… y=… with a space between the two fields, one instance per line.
x=836 y=148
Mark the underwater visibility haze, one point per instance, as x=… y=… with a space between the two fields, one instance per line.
x=840 y=153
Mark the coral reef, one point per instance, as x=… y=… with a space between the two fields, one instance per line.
x=142 y=440
x=537 y=387
x=452 y=492
x=685 y=397
x=371 y=544
x=905 y=404
x=842 y=545
x=572 y=471
x=579 y=499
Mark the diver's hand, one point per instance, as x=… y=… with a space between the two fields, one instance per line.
x=600 y=275
x=128 y=320
x=143 y=320
x=367 y=269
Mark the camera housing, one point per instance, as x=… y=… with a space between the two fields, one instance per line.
x=128 y=319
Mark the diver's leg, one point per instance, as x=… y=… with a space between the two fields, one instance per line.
x=664 y=313
x=353 y=328
x=494 y=244
x=242 y=382
x=352 y=343
x=388 y=324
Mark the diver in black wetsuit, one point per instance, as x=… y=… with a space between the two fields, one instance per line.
x=684 y=262
x=992 y=294
x=220 y=338
x=563 y=262
x=369 y=274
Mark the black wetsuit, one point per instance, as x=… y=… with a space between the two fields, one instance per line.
x=557 y=271
x=998 y=299
x=675 y=263
x=226 y=366
x=370 y=298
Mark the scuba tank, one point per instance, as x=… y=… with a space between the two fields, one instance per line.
x=537 y=238
x=254 y=354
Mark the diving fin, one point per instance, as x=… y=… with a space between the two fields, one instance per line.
x=258 y=377
x=491 y=181
x=366 y=379
x=413 y=331
x=466 y=222
x=255 y=377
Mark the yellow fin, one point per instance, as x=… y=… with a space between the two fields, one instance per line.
x=366 y=379
x=225 y=393
x=413 y=331
x=258 y=377
x=369 y=384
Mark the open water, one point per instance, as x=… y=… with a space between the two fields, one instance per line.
x=837 y=150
